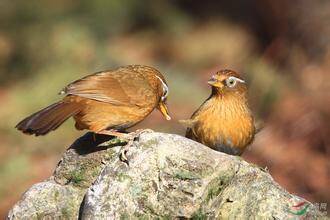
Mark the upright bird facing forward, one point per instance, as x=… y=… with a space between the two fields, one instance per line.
x=224 y=121
x=106 y=102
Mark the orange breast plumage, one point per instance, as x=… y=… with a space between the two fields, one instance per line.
x=223 y=123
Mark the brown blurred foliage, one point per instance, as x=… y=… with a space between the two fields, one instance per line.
x=282 y=47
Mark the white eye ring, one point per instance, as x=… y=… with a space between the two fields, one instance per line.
x=165 y=89
x=232 y=81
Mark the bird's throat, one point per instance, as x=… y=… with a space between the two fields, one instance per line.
x=226 y=119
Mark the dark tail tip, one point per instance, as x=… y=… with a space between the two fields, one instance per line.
x=47 y=119
x=23 y=126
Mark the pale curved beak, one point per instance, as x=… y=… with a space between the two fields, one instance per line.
x=214 y=82
x=164 y=110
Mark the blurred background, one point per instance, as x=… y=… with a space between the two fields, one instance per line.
x=282 y=48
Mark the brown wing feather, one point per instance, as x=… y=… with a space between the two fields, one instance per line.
x=123 y=86
x=48 y=119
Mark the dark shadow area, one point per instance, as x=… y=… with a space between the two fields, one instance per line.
x=89 y=143
x=81 y=208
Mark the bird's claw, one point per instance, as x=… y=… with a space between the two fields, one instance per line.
x=139 y=132
x=131 y=137
x=124 y=149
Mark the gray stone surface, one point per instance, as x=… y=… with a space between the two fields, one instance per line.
x=168 y=177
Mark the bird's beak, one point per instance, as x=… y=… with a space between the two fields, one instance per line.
x=164 y=110
x=216 y=83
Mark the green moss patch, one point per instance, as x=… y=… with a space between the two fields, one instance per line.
x=199 y=215
x=215 y=187
x=186 y=175
x=77 y=177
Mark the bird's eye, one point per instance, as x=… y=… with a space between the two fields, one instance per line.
x=165 y=89
x=165 y=92
x=164 y=97
x=231 y=81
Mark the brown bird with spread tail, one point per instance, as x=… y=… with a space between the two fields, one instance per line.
x=106 y=102
x=224 y=121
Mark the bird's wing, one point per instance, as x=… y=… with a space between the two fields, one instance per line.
x=190 y=134
x=189 y=123
x=123 y=86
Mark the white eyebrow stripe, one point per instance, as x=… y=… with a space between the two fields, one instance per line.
x=237 y=79
x=165 y=87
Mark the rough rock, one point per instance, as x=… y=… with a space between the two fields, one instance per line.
x=168 y=177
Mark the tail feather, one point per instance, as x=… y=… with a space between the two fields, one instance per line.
x=48 y=119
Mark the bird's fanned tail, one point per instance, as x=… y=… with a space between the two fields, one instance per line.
x=48 y=119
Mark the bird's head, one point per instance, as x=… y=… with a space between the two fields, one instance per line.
x=226 y=82
x=162 y=107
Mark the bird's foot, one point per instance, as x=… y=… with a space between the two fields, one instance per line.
x=138 y=132
x=132 y=137
x=122 y=137
x=129 y=138
x=123 y=151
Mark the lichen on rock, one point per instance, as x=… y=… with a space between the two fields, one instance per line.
x=168 y=177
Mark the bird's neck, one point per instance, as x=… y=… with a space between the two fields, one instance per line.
x=228 y=106
x=234 y=97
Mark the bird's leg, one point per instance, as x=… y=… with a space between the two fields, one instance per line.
x=129 y=138
x=115 y=133
x=137 y=133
